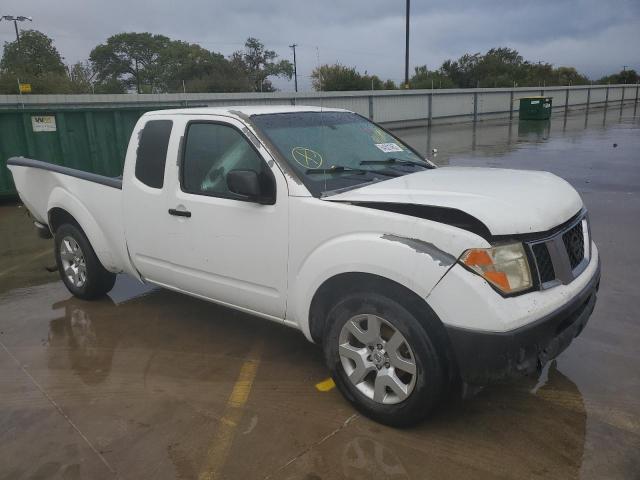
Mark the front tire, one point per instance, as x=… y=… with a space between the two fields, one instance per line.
x=79 y=267
x=383 y=360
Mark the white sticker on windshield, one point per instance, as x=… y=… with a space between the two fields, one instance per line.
x=389 y=147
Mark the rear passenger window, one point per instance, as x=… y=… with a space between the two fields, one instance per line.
x=152 y=152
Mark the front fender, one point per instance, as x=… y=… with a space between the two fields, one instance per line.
x=416 y=264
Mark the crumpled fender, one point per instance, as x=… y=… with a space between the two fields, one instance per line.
x=416 y=264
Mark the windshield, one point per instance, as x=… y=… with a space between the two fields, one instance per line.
x=337 y=150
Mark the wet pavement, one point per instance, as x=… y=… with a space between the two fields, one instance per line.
x=151 y=384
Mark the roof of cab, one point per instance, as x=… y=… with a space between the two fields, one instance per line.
x=244 y=110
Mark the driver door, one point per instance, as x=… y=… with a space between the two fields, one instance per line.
x=224 y=247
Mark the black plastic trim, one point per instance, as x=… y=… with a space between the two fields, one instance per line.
x=179 y=213
x=483 y=357
x=449 y=216
x=114 y=182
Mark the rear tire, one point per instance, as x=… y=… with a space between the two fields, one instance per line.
x=79 y=267
x=395 y=377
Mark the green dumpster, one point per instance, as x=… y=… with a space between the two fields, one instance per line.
x=90 y=139
x=535 y=108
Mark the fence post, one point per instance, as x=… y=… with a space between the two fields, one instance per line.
x=511 y=105
x=606 y=98
x=566 y=100
x=430 y=105
x=475 y=107
x=622 y=101
x=370 y=107
x=588 y=98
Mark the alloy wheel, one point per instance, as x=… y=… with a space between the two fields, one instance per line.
x=377 y=359
x=74 y=264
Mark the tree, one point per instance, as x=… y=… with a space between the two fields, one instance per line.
x=389 y=85
x=155 y=63
x=462 y=71
x=338 y=77
x=224 y=78
x=624 y=76
x=425 y=78
x=130 y=58
x=505 y=67
x=259 y=64
x=499 y=67
x=569 y=76
x=81 y=77
x=35 y=56
x=36 y=61
x=333 y=78
x=200 y=70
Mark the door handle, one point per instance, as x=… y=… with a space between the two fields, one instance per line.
x=179 y=213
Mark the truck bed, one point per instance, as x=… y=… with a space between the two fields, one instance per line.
x=95 y=201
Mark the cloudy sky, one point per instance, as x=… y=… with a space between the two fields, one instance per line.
x=596 y=36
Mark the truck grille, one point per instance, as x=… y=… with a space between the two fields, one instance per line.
x=574 y=243
x=543 y=262
x=561 y=257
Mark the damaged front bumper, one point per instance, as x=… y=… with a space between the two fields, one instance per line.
x=483 y=357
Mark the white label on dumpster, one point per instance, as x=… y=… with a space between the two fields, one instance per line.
x=535 y=102
x=43 y=123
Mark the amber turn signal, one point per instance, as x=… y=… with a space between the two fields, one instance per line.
x=505 y=266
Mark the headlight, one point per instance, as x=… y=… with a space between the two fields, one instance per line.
x=505 y=267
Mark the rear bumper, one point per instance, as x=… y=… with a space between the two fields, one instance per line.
x=483 y=357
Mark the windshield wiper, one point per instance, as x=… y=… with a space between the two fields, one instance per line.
x=336 y=169
x=358 y=171
x=396 y=161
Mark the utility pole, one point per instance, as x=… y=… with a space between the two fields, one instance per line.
x=406 y=47
x=295 y=66
x=15 y=20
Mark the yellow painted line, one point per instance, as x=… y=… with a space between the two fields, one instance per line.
x=326 y=385
x=234 y=409
x=35 y=257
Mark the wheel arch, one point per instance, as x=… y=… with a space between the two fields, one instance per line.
x=342 y=284
x=58 y=216
x=65 y=208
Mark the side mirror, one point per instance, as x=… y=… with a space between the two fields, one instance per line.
x=246 y=184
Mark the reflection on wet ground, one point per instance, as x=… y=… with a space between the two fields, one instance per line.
x=140 y=384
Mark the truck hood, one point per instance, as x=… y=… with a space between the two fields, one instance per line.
x=507 y=202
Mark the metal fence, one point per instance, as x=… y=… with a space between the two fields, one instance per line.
x=387 y=106
x=91 y=131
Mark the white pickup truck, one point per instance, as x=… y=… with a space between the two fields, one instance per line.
x=412 y=278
